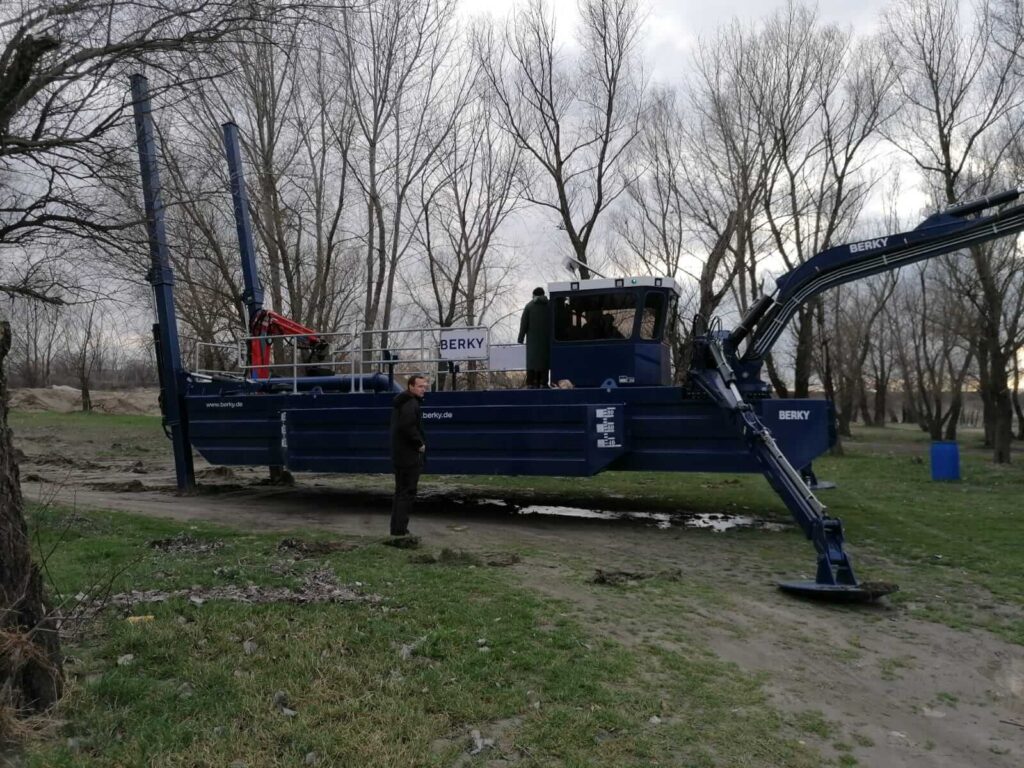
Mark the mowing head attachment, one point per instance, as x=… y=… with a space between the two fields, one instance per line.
x=864 y=592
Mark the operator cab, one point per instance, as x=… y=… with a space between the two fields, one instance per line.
x=612 y=332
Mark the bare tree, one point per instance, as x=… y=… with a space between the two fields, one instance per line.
x=575 y=121
x=962 y=98
x=1016 y=403
x=57 y=63
x=465 y=201
x=287 y=93
x=847 y=322
x=727 y=165
x=668 y=216
x=84 y=347
x=39 y=331
x=405 y=92
x=820 y=102
x=934 y=350
x=881 y=364
x=63 y=66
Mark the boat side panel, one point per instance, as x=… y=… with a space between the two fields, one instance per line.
x=505 y=432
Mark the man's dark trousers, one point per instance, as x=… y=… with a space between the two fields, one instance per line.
x=406 y=480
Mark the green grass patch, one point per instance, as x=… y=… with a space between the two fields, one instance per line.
x=451 y=647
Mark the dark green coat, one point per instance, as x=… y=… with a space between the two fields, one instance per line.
x=535 y=327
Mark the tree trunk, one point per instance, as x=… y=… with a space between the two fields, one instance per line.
x=1002 y=426
x=804 y=351
x=954 y=415
x=781 y=390
x=995 y=393
x=1016 y=403
x=32 y=673
x=985 y=392
x=844 y=399
x=865 y=411
x=843 y=418
x=881 y=404
x=909 y=410
x=83 y=381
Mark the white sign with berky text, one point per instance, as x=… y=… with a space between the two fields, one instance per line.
x=463 y=344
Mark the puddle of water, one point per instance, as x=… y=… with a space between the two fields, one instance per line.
x=660 y=519
x=718 y=522
x=713 y=521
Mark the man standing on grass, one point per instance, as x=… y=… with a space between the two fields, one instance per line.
x=408 y=448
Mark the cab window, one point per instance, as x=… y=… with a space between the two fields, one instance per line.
x=652 y=321
x=594 y=317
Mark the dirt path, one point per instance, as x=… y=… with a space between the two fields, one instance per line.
x=900 y=692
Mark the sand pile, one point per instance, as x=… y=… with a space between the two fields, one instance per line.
x=63 y=399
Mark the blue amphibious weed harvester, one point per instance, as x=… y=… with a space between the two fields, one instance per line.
x=608 y=337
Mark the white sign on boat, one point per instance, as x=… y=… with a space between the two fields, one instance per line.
x=463 y=344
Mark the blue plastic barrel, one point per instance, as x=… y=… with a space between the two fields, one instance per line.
x=945 y=460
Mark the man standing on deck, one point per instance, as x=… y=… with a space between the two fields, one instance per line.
x=408 y=449
x=535 y=327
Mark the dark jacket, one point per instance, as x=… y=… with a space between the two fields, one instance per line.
x=535 y=327
x=406 y=430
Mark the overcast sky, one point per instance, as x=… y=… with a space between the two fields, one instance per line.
x=674 y=26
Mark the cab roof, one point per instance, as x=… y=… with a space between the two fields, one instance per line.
x=610 y=283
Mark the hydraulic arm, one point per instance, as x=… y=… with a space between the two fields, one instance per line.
x=950 y=230
x=264 y=324
x=716 y=359
x=834 y=573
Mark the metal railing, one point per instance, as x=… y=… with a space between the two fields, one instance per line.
x=393 y=352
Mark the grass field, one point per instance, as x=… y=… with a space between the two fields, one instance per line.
x=480 y=655
x=455 y=647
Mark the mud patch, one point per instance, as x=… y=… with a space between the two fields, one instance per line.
x=129 y=486
x=496 y=740
x=300 y=548
x=129 y=448
x=184 y=543
x=62 y=399
x=216 y=473
x=57 y=460
x=211 y=490
x=448 y=556
x=318 y=586
x=501 y=559
x=628 y=578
